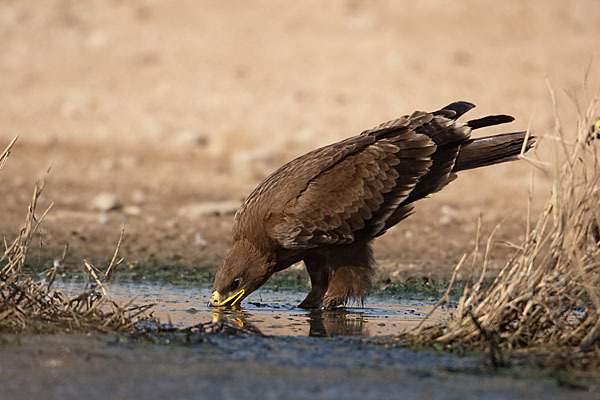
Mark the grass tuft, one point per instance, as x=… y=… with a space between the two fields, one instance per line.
x=546 y=300
x=33 y=305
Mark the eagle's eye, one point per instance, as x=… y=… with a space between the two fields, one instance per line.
x=235 y=284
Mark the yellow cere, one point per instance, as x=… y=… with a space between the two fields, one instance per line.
x=230 y=301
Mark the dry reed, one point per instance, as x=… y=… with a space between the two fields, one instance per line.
x=546 y=300
x=33 y=305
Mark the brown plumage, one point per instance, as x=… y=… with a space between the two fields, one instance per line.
x=326 y=207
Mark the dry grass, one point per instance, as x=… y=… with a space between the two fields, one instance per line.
x=546 y=300
x=33 y=305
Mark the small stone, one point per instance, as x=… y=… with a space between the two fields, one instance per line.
x=171 y=224
x=209 y=208
x=103 y=219
x=108 y=164
x=448 y=215
x=445 y=220
x=253 y=164
x=132 y=210
x=138 y=196
x=199 y=240
x=190 y=138
x=106 y=202
x=123 y=162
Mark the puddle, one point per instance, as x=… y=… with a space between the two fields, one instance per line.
x=275 y=313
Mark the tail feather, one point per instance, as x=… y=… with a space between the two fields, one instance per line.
x=490 y=120
x=491 y=150
x=456 y=151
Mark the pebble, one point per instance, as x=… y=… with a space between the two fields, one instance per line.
x=190 y=138
x=253 y=164
x=122 y=162
x=106 y=202
x=199 y=240
x=103 y=219
x=138 y=196
x=449 y=215
x=209 y=208
x=132 y=210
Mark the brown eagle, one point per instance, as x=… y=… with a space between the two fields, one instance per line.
x=326 y=207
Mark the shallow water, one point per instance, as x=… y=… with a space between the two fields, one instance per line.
x=276 y=313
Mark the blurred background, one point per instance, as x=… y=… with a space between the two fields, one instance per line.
x=163 y=115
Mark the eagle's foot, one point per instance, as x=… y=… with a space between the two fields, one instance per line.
x=313 y=301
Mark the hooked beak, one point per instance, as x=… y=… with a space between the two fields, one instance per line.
x=215 y=300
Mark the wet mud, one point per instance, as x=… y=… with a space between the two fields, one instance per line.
x=251 y=367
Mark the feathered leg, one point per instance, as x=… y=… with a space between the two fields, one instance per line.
x=352 y=275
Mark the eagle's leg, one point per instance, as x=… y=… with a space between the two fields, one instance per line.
x=319 y=280
x=352 y=276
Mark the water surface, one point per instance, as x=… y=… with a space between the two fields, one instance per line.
x=276 y=312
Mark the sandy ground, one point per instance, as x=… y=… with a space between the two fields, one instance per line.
x=171 y=112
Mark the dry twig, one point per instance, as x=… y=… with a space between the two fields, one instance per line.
x=28 y=304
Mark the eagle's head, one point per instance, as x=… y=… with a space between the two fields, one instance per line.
x=244 y=270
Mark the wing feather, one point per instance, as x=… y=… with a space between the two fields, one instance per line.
x=355 y=196
x=359 y=187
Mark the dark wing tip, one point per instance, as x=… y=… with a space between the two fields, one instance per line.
x=456 y=109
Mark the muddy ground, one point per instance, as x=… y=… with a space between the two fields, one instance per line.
x=162 y=116
x=214 y=366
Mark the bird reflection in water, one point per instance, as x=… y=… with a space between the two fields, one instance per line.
x=232 y=320
x=322 y=323
x=337 y=322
